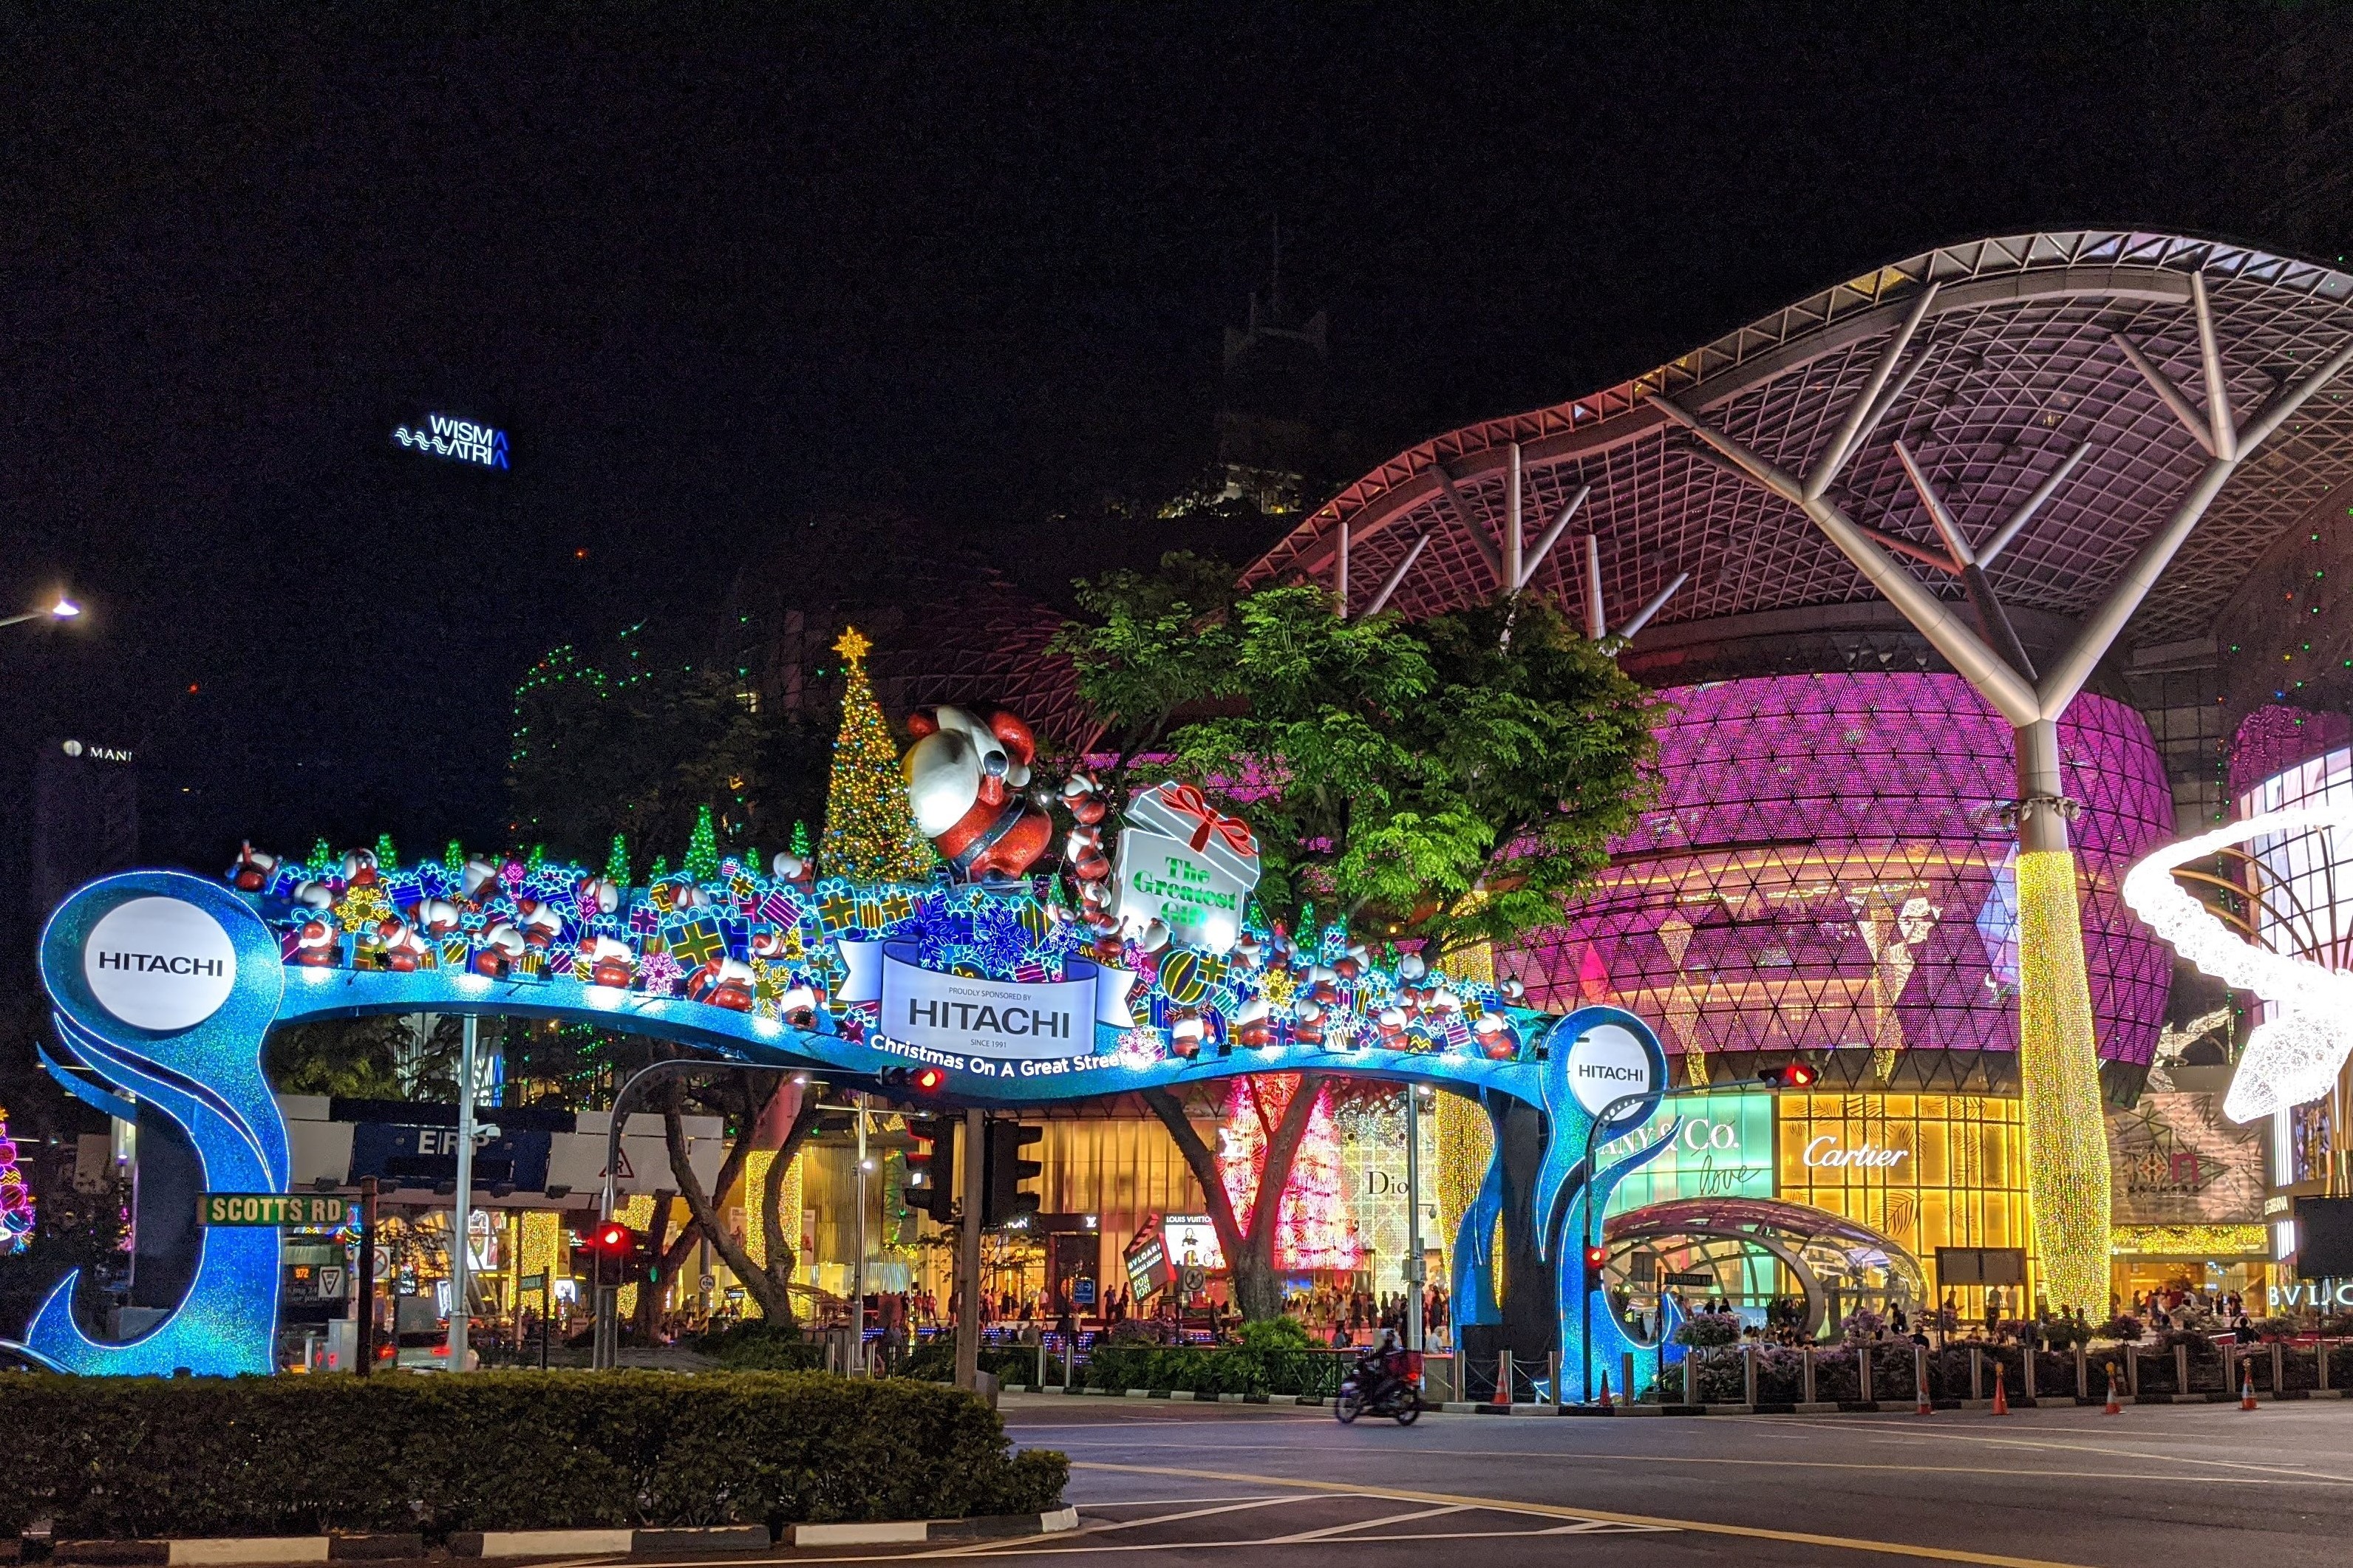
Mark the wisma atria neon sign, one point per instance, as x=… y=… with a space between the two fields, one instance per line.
x=460 y=440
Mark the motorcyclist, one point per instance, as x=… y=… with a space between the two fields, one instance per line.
x=1380 y=1370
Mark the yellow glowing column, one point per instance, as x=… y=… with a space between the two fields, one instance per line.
x=1466 y=1140
x=2066 y=1139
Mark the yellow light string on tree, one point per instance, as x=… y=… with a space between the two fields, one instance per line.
x=870 y=828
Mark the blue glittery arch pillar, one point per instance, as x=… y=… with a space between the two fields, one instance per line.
x=207 y=1080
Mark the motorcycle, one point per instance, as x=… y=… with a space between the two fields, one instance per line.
x=1366 y=1393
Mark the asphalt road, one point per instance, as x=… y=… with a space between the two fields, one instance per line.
x=1245 y=1485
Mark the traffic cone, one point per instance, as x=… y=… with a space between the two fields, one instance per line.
x=1606 y=1409
x=2113 y=1408
x=2246 y=1386
x=2000 y=1392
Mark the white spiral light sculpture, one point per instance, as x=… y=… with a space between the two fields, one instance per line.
x=2294 y=1055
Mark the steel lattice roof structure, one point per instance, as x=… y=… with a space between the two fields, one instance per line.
x=2025 y=353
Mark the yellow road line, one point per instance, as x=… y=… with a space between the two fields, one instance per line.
x=1697 y=1526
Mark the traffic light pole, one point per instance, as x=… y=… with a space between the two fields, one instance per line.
x=1590 y=1227
x=968 y=1309
x=462 y=1216
x=858 y=1263
x=1414 y=1270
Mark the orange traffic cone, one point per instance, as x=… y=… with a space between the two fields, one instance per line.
x=1607 y=1408
x=2001 y=1393
x=2246 y=1386
x=2112 y=1407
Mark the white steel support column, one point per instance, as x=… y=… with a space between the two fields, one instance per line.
x=1515 y=579
x=461 y=1235
x=2067 y=1155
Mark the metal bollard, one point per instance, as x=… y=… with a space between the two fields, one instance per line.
x=1503 y=1377
x=2320 y=1355
x=1809 y=1376
x=1625 y=1374
x=1977 y=1371
x=2132 y=1371
x=2278 y=1367
x=2082 y=1373
x=1863 y=1370
x=1070 y=1360
x=2181 y=1371
x=1552 y=1368
x=1749 y=1375
x=1920 y=1373
x=2027 y=1359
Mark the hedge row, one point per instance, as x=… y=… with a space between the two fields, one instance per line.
x=131 y=1457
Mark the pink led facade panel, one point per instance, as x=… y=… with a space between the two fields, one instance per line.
x=1828 y=868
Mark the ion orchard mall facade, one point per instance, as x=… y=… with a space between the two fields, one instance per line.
x=2009 y=555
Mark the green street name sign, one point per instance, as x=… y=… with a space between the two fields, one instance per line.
x=278 y=1211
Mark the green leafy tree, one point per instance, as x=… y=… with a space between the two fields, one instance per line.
x=1450 y=781
x=625 y=740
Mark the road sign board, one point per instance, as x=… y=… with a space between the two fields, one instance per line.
x=1691 y=1277
x=532 y=1282
x=276 y=1211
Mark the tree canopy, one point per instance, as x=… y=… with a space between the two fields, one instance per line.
x=1449 y=780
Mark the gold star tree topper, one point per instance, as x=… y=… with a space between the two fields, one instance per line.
x=851 y=646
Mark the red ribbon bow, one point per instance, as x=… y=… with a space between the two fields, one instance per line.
x=1186 y=800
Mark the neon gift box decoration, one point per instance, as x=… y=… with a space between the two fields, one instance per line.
x=1186 y=865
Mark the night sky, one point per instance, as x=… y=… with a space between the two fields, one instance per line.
x=716 y=277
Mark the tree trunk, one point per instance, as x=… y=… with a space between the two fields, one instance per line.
x=778 y=1244
x=772 y=1301
x=648 y=1314
x=1258 y=1286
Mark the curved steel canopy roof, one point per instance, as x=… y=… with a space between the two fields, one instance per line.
x=2016 y=362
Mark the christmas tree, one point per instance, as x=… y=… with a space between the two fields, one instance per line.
x=702 y=848
x=538 y=858
x=386 y=856
x=800 y=839
x=453 y=860
x=617 y=864
x=322 y=858
x=870 y=829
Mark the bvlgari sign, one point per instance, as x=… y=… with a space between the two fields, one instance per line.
x=159 y=963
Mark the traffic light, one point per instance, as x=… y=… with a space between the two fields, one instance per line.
x=641 y=1265
x=1594 y=1257
x=923 y=1079
x=1005 y=1203
x=609 y=1246
x=931 y=1174
x=1791 y=1074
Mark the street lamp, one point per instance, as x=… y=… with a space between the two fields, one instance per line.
x=64 y=609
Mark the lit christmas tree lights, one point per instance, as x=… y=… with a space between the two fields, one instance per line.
x=870 y=829
x=702 y=848
x=617 y=864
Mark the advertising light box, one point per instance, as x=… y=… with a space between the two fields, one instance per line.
x=1718 y=1146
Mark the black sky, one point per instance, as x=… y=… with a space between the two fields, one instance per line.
x=716 y=271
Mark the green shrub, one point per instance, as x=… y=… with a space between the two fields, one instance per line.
x=756 y=1346
x=502 y=1451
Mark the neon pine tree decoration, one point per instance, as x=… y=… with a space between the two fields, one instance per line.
x=617 y=864
x=870 y=829
x=386 y=856
x=800 y=839
x=453 y=860
x=702 y=848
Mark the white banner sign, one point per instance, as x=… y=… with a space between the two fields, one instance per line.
x=1012 y=1020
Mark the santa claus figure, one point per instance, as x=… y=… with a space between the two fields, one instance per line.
x=318 y=946
x=502 y=945
x=252 y=871
x=722 y=983
x=610 y=962
x=404 y=950
x=968 y=783
x=437 y=916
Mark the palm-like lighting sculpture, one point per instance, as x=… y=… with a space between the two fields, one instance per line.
x=2262 y=934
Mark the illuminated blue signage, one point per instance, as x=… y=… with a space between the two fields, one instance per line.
x=460 y=440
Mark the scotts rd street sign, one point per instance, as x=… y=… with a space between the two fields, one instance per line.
x=276 y=1211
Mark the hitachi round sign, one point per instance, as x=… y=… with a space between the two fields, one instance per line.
x=1606 y=1064
x=159 y=963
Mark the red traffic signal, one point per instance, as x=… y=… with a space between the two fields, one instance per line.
x=1792 y=1075
x=928 y=1079
x=612 y=1239
x=1594 y=1257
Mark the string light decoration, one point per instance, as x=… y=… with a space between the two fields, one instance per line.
x=2192 y=1240
x=2295 y=1055
x=386 y=856
x=2066 y=1131
x=617 y=863
x=1314 y=1225
x=702 y=848
x=870 y=829
x=15 y=1197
